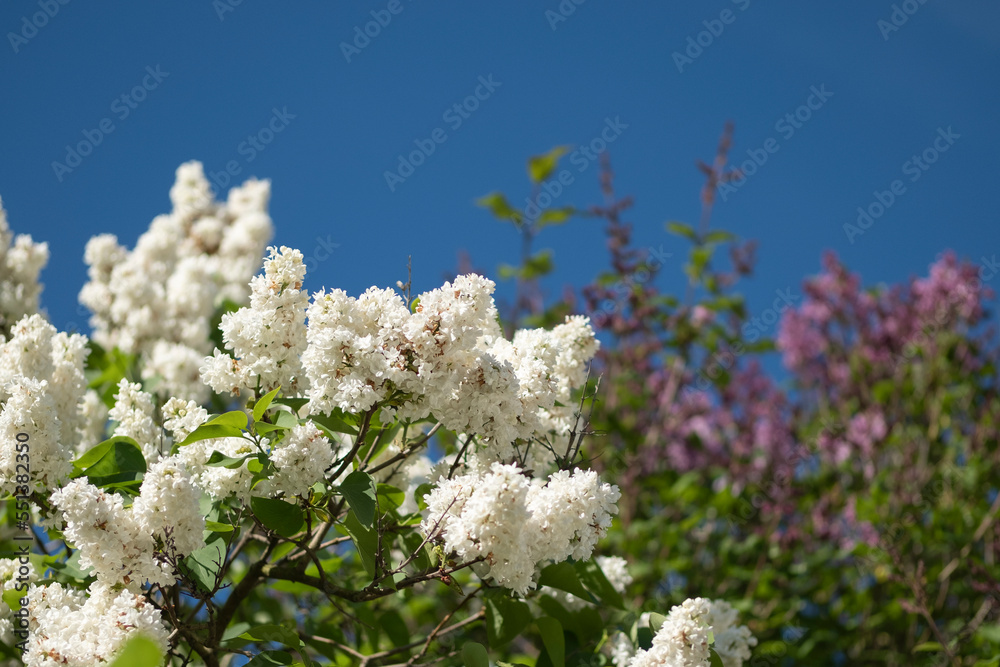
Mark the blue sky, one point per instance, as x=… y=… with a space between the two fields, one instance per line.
x=217 y=73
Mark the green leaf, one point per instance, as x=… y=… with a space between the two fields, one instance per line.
x=682 y=229
x=500 y=207
x=286 y=419
x=540 y=167
x=699 y=259
x=334 y=422
x=928 y=647
x=656 y=621
x=563 y=576
x=116 y=462
x=203 y=565
x=264 y=403
x=365 y=541
x=395 y=628
x=475 y=655
x=719 y=236
x=217 y=527
x=13 y=599
x=593 y=580
x=419 y=494
x=359 y=491
x=714 y=659
x=552 y=636
x=282 y=517
x=389 y=497
x=96 y=453
x=554 y=216
x=505 y=617
x=220 y=460
x=70 y=568
x=234 y=418
x=508 y=271
x=270 y=632
x=235 y=630
x=210 y=431
x=539 y=264
x=263 y=428
x=270 y=658
x=139 y=651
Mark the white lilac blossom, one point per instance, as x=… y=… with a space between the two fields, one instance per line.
x=483 y=517
x=300 y=460
x=182 y=268
x=516 y=523
x=180 y=417
x=356 y=350
x=70 y=628
x=132 y=545
x=108 y=537
x=684 y=638
x=21 y=261
x=134 y=413
x=267 y=338
x=44 y=394
x=621 y=649
x=168 y=507
x=177 y=368
x=571 y=513
x=30 y=410
x=447 y=359
x=218 y=481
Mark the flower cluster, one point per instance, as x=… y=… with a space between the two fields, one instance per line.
x=158 y=299
x=268 y=337
x=447 y=358
x=70 y=628
x=883 y=330
x=132 y=545
x=515 y=523
x=21 y=260
x=43 y=392
x=684 y=638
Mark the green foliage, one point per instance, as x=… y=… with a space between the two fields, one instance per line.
x=139 y=651
x=541 y=167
